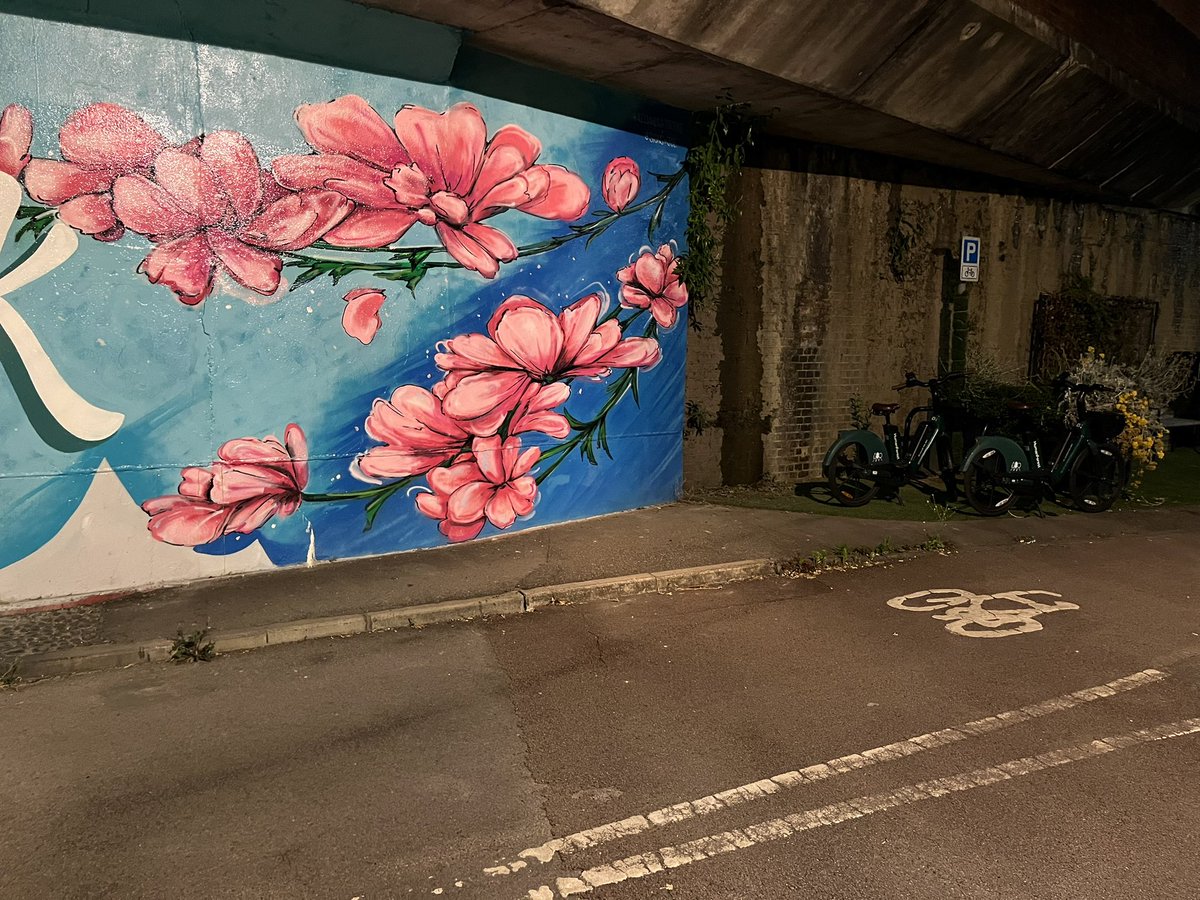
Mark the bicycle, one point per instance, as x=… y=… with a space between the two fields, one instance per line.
x=1087 y=465
x=859 y=463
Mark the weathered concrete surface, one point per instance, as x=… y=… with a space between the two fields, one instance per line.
x=832 y=286
x=323 y=769
x=1047 y=94
x=399 y=765
x=679 y=546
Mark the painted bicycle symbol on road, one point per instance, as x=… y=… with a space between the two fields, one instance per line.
x=983 y=615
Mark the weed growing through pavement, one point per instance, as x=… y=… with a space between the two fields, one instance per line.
x=844 y=558
x=936 y=542
x=10 y=678
x=192 y=647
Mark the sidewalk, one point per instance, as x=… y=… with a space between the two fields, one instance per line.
x=620 y=546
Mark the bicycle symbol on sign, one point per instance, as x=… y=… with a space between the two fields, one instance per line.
x=983 y=615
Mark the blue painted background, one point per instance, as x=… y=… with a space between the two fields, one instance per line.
x=188 y=379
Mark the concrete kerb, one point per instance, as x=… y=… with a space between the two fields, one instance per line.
x=115 y=656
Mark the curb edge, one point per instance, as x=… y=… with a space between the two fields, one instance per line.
x=116 y=656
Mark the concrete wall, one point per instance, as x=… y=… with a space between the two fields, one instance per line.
x=259 y=311
x=815 y=307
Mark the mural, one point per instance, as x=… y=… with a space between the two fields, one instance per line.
x=279 y=328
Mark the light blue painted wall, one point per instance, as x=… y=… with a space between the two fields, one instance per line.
x=188 y=379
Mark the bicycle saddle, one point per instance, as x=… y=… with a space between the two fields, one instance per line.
x=884 y=409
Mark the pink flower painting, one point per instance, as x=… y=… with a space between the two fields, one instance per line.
x=99 y=143
x=493 y=485
x=652 y=282
x=416 y=434
x=439 y=169
x=361 y=319
x=252 y=481
x=216 y=216
x=535 y=410
x=527 y=344
x=622 y=178
x=209 y=207
x=16 y=133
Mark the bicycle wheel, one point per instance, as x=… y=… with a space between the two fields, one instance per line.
x=1095 y=479
x=849 y=476
x=984 y=484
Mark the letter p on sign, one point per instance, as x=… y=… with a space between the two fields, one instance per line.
x=968 y=269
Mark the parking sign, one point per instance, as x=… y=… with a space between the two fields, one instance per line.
x=968 y=269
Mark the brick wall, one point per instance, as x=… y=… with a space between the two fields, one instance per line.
x=833 y=287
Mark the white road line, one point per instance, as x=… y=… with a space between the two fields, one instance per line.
x=645 y=864
x=680 y=812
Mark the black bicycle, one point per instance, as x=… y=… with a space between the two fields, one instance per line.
x=1087 y=465
x=859 y=463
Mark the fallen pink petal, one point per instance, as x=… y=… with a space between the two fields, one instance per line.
x=361 y=317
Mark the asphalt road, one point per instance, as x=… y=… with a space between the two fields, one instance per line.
x=406 y=764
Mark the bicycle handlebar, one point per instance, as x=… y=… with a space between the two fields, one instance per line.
x=1064 y=382
x=1092 y=388
x=911 y=381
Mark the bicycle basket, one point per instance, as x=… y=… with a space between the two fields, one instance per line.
x=1105 y=424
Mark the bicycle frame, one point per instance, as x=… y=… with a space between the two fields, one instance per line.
x=931 y=433
x=896 y=458
x=1025 y=469
x=1072 y=445
x=899 y=457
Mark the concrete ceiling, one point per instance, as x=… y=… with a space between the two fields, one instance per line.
x=983 y=85
x=1186 y=12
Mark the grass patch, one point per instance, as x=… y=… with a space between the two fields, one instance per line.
x=911 y=505
x=1176 y=482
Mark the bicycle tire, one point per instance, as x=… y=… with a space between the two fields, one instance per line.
x=846 y=475
x=1095 y=479
x=983 y=485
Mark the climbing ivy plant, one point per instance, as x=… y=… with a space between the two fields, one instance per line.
x=712 y=163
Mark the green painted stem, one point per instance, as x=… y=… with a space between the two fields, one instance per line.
x=374 y=493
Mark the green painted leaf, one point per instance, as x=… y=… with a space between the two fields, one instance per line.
x=602 y=437
x=656 y=219
x=36 y=227
x=305 y=277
